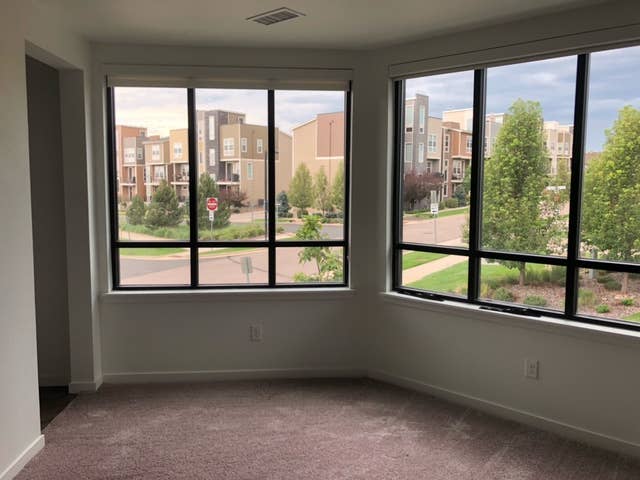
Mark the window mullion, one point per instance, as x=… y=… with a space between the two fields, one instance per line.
x=398 y=166
x=477 y=160
x=271 y=186
x=113 y=188
x=577 y=161
x=193 y=194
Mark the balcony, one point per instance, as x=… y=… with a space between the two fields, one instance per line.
x=181 y=178
x=128 y=181
x=232 y=179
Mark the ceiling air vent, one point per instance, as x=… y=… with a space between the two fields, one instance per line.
x=276 y=16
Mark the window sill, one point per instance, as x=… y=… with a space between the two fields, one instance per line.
x=230 y=295
x=584 y=331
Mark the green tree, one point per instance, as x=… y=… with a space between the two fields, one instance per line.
x=418 y=186
x=164 y=210
x=207 y=187
x=611 y=205
x=337 y=189
x=283 y=206
x=301 y=188
x=322 y=192
x=516 y=216
x=136 y=211
x=328 y=263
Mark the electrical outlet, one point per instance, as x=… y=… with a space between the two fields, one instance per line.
x=255 y=333
x=531 y=368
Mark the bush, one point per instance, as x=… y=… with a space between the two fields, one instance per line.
x=535 y=301
x=612 y=285
x=586 y=298
x=136 y=211
x=503 y=295
x=603 y=309
x=557 y=275
x=627 y=302
x=603 y=278
x=451 y=202
x=441 y=206
x=302 y=213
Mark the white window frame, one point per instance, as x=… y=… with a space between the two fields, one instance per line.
x=432 y=143
x=229 y=146
x=177 y=149
x=259 y=146
x=422 y=115
x=212 y=157
x=447 y=143
x=249 y=170
x=243 y=145
x=421 y=152
x=408 y=152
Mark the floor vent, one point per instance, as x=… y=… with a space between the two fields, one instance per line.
x=276 y=16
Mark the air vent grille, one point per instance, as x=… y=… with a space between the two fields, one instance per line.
x=275 y=16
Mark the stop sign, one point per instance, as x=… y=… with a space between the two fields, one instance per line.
x=212 y=204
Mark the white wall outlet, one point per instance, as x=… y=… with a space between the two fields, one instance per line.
x=255 y=333
x=531 y=368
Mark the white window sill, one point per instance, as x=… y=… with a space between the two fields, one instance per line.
x=585 y=331
x=226 y=295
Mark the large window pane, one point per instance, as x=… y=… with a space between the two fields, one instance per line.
x=610 y=228
x=527 y=284
x=609 y=295
x=154 y=266
x=310 y=161
x=233 y=266
x=151 y=157
x=232 y=138
x=528 y=142
x=309 y=265
x=437 y=159
x=435 y=272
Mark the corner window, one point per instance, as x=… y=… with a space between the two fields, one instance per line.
x=516 y=229
x=229 y=147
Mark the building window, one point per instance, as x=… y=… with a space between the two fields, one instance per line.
x=204 y=245
x=421 y=153
x=408 y=120
x=432 y=143
x=408 y=152
x=229 y=147
x=563 y=246
x=422 y=117
x=447 y=141
x=469 y=143
x=212 y=127
x=140 y=153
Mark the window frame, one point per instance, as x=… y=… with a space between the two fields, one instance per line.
x=194 y=244
x=474 y=252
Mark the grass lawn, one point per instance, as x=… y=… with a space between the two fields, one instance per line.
x=150 y=252
x=443 y=213
x=413 y=259
x=225 y=251
x=633 y=318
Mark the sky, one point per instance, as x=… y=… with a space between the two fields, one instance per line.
x=163 y=109
x=613 y=84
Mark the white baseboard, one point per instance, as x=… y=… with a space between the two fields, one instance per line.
x=89 y=386
x=543 y=423
x=246 y=374
x=18 y=464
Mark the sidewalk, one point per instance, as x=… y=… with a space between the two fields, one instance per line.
x=417 y=273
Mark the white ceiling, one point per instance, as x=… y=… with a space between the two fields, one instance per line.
x=342 y=24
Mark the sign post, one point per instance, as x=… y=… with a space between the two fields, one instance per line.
x=212 y=206
x=434 y=212
x=246 y=265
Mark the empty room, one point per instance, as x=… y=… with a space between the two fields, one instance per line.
x=320 y=240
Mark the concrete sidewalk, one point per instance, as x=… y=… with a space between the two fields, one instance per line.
x=417 y=273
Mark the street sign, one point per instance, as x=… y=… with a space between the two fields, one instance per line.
x=211 y=215
x=434 y=208
x=212 y=204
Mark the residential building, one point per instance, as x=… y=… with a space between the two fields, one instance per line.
x=319 y=143
x=128 y=164
x=559 y=143
x=464 y=118
x=156 y=168
x=416 y=133
x=456 y=156
x=179 y=163
x=209 y=143
x=433 y=162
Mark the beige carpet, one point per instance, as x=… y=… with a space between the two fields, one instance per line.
x=315 y=429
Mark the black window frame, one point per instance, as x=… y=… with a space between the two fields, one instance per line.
x=194 y=244
x=475 y=253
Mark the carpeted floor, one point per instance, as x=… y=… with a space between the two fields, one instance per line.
x=312 y=429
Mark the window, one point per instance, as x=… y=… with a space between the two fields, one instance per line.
x=447 y=141
x=140 y=153
x=169 y=238
x=421 y=120
x=408 y=121
x=212 y=127
x=533 y=241
x=469 y=142
x=432 y=143
x=421 y=153
x=229 y=147
x=408 y=152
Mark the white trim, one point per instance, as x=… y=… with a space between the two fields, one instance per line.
x=241 y=374
x=18 y=464
x=88 y=386
x=573 y=432
x=227 y=295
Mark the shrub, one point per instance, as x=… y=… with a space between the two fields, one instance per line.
x=136 y=211
x=603 y=278
x=503 y=295
x=627 y=302
x=535 y=300
x=451 y=202
x=586 y=298
x=613 y=285
x=603 y=309
x=441 y=206
x=557 y=275
x=302 y=212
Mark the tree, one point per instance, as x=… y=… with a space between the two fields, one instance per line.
x=322 y=192
x=164 y=210
x=417 y=186
x=233 y=197
x=301 y=188
x=328 y=263
x=611 y=204
x=136 y=211
x=337 y=189
x=207 y=187
x=516 y=216
x=282 y=205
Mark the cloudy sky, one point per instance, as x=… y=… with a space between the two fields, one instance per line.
x=613 y=84
x=162 y=109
